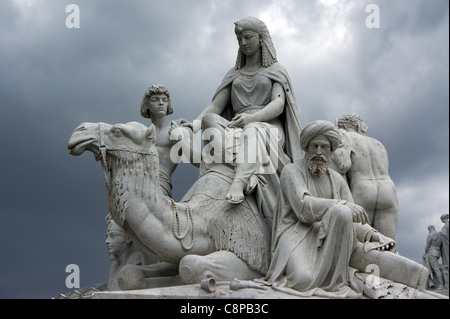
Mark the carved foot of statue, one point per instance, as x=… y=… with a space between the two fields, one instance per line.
x=236 y=193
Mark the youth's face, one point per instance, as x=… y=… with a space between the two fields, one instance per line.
x=249 y=42
x=158 y=105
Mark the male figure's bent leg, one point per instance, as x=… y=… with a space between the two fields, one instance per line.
x=391 y=266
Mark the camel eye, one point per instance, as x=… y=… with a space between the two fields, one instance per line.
x=116 y=131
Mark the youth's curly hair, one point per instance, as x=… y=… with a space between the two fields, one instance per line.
x=152 y=90
x=353 y=119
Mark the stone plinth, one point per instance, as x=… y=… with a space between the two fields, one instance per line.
x=222 y=291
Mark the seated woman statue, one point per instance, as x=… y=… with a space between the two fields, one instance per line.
x=256 y=111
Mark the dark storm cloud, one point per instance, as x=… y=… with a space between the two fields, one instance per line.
x=54 y=78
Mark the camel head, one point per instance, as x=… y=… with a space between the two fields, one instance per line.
x=129 y=160
x=131 y=136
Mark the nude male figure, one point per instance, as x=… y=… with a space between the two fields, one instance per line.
x=368 y=176
x=156 y=105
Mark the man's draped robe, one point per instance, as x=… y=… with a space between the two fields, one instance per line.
x=307 y=235
x=317 y=251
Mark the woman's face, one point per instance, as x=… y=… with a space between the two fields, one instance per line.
x=116 y=243
x=249 y=43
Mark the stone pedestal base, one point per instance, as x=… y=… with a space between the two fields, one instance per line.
x=222 y=291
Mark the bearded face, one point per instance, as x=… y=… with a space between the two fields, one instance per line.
x=319 y=153
x=317 y=164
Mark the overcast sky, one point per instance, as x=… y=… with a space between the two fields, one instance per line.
x=53 y=78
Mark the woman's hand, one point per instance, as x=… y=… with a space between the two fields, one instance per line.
x=241 y=119
x=196 y=126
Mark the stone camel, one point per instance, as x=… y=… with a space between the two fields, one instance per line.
x=200 y=237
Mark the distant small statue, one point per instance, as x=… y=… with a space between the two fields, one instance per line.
x=432 y=255
x=368 y=175
x=444 y=248
x=444 y=237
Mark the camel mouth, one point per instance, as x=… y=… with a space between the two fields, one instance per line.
x=78 y=147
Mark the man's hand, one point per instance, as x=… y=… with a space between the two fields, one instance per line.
x=359 y=213
x=180 y=132
x=175 y=132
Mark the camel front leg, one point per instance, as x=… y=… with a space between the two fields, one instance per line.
x=221 y=265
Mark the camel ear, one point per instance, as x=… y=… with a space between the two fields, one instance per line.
x=151 y=132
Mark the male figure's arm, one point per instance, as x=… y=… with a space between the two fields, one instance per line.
x=307 y=208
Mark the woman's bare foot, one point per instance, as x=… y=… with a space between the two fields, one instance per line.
x=236 y=193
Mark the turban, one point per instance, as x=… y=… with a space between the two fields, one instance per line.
x=317 y=128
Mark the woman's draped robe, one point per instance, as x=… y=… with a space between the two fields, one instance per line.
x=285 y=146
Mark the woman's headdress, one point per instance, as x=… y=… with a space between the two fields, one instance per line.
x=269 y=54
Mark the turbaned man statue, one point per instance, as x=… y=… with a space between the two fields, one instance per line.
x=321 y=242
